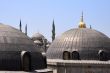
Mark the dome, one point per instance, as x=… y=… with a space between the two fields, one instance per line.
x=17 y=51
x=80 y=43
x=12 y=39
x=87 y=42
x=37 y=36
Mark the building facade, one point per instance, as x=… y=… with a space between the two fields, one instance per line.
x=40 y=42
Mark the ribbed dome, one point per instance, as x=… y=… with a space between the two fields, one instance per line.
x=86 y=41
x=12 y=39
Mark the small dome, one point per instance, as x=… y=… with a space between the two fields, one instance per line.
x=87 y=42
x=37 y=36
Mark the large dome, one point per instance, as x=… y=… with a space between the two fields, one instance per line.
x=12 y=39
x=80 y=43
x=17 y=51
x=86 y=41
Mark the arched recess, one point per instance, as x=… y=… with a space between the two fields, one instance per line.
x=26 y=61
x=75 y=55
x=44 y=59
x=102 y=55
x=66 y=55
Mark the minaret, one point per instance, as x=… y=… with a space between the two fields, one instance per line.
x=53 y=31
x=26 y=29
x=20 y=26
x=90 y=27
x=81 y=23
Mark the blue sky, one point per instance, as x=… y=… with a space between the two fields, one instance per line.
x=39 y=15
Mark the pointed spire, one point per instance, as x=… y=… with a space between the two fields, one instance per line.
x=20 y=26
x=53 y=31
x=90 y=27
x=81 y=23
x=26 y=29
x=82 y=17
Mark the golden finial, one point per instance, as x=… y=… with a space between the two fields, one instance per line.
x=81 y=23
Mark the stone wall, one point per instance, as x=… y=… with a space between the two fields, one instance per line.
x=81 y=67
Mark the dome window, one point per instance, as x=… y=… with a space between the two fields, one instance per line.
x=75 y=55
x=66 y=55
x=102 y=55
x=26 y=61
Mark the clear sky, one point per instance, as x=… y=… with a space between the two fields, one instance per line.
x=39 y=15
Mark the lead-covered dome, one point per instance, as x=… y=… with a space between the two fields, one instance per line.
x=18 y=51
x=37 y=36
x=11 y=39
x=86 y=41
x=83 y=43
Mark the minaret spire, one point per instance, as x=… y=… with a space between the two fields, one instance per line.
x=81 y=23
x=20 y=26
x=82 y=17
x=90 y=27
x=26 y=29
x=53 y=31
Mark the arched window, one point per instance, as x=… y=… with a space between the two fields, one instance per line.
x=75 y=55
x=66 y=55
x=102 y=55
x=26 y=61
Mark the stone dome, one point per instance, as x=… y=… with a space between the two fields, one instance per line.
x=87 y=42
x=37 y=36
x=14 y=44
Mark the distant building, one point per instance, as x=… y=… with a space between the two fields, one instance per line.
x=40 y=42
x=80 y=50
x=18 y=52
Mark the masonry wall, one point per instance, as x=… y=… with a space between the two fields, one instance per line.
x=79 y=68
